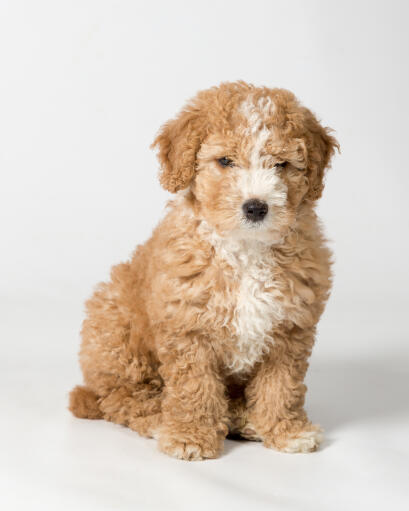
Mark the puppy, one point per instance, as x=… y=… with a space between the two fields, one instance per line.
x=208 y=328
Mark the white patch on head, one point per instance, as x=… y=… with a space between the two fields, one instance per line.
x=256 y=113
x=259 y=139
x=258 y=306
x=260 y=180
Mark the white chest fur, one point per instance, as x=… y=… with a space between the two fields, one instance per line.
x=256 y=310
x=256 y=307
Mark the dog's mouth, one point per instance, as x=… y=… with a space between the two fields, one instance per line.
x=261 y=231
x=254 y=224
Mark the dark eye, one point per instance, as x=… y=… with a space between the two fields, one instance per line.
x=225 y=162
x=282 y=165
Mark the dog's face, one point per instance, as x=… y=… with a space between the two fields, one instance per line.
x=249 y=158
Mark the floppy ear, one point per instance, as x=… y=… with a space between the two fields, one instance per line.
x=179 y=141
x=321 y=147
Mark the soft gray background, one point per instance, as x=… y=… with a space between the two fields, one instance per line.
x=84 y=86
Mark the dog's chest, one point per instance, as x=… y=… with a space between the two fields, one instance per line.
x=255 y=301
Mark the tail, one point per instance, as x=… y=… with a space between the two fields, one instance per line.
x=84 y=403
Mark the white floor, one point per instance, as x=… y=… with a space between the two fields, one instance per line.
x=50 y=460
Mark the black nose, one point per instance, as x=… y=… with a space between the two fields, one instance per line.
x=255 y=210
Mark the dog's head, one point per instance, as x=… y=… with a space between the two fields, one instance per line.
x=249 y=156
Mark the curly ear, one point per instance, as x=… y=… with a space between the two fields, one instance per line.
x=321 y=147
x=179 y=141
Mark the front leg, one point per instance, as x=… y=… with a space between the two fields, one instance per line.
x=194 y=407
x=275 y=395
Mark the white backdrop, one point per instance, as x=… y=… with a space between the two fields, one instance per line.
x=84 y=86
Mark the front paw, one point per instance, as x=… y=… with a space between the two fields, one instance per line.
x=295 y=437
x=191 y=442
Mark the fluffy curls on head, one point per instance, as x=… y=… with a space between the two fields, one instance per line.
x=207 y=330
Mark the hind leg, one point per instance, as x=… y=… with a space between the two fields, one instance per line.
x=119 y=369
x=139 y=409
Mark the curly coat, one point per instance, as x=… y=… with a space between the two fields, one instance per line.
x=208 y=328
